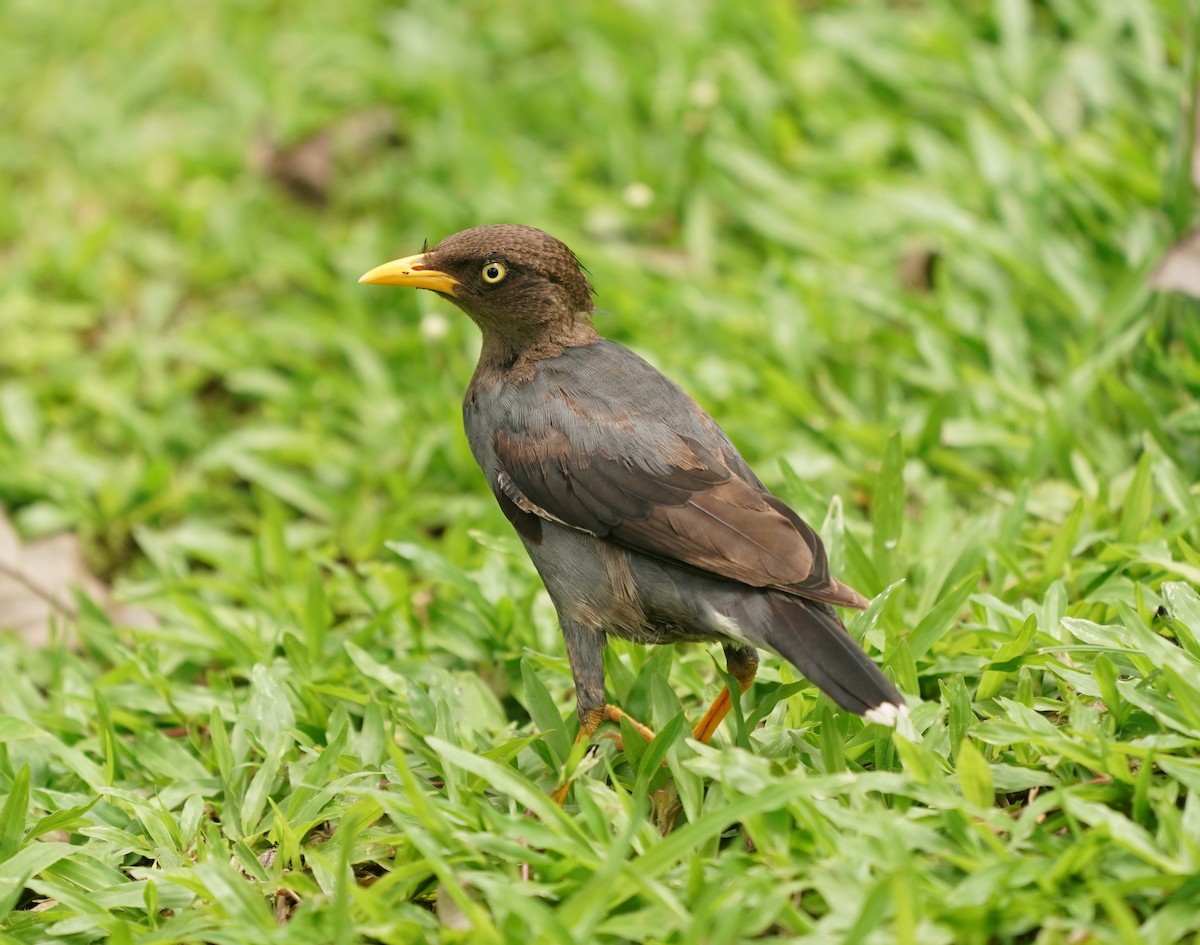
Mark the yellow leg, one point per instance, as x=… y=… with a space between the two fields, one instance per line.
x=587 y=731
x=559 y=794
x=615 y=714
x=743 y=666
x=707 y=727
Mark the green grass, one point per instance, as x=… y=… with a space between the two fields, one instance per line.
x=356 y=690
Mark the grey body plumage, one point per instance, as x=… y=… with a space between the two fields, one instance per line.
x=639 y=514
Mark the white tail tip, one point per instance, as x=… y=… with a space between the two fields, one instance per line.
x=886 y=713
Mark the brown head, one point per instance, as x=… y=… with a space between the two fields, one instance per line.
x=516 y=283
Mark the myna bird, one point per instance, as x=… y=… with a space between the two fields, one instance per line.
x=640 y=515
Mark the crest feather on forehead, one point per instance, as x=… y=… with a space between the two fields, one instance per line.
x=511 y=241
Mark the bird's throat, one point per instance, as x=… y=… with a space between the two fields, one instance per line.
x=513 y=357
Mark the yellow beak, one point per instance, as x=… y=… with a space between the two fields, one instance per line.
x=411 y=271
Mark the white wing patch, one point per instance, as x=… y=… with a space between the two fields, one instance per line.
x=521 y=501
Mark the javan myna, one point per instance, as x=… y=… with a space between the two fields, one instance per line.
x=640 y=515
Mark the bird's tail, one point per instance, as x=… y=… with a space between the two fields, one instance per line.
x=810 y=635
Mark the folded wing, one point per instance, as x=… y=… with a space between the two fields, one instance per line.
x=683 y=504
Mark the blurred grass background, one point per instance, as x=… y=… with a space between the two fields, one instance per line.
x=900 y=251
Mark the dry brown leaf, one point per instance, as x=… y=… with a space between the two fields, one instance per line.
x=306 y=167
x=284 y=904
x=1180 y=269
x=917 y=270
x=37 y=580
x=1196 y=138
x=449 y=913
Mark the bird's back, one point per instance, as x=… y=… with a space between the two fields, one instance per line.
x=602 y=397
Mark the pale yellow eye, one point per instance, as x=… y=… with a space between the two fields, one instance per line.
x=493 y=272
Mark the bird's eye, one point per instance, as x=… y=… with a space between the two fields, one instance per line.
x=493 y=272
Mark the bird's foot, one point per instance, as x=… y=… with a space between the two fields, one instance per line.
x=587 y=731
x=559 y=794
x=615 y=714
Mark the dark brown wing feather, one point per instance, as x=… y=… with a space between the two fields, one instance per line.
x=692 y=510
